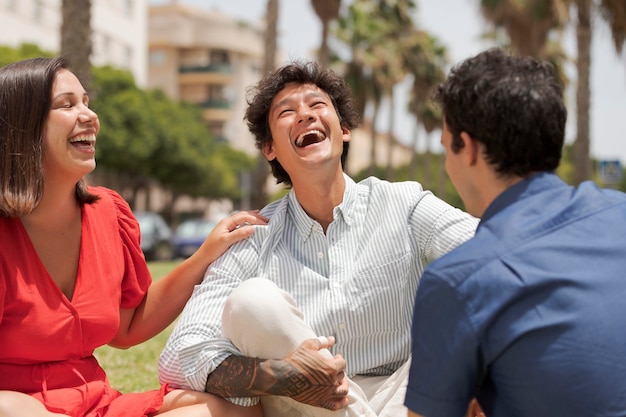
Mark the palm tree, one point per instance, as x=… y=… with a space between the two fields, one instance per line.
x=258 y=192
x=394 y=66
x=527 y=23
x=327 y=11
x=426 y=60
x=375 y=32
x=540 y=15
x=359 y=31
x=76 y=38
x=581 y=157
x=613 y=12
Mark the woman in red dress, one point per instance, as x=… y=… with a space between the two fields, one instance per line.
x=72 y=274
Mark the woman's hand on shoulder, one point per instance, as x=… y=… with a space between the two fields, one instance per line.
x=230 y=230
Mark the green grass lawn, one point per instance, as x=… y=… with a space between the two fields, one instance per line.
x=135 y=369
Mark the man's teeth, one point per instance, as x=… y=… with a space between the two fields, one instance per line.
x=313 y=135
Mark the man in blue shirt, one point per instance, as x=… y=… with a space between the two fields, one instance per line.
x=529 y=316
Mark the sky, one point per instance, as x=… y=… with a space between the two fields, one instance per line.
x=458 y=25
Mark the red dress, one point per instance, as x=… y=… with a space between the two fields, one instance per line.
x=47 y=341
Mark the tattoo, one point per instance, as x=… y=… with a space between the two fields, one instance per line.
x=234 y=377
x=301 y=377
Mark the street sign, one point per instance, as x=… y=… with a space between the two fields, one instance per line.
x=610 y=171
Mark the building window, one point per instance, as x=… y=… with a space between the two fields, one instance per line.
x=157 y=57
x=11 y=5
x=128 y=56
x=106 y=45
x=37 y=11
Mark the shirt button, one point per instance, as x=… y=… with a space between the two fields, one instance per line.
x=320 y=255
x=342 y=326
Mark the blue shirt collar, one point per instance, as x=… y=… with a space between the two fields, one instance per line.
x=528 y=186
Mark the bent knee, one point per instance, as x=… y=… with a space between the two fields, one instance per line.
x=256 y=300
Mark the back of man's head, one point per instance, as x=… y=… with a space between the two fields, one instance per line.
x=513 y=105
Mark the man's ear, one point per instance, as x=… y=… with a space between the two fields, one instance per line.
x=268 y=151
x=471 y=148
x=347 y=135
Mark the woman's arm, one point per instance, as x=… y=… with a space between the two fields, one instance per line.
x=166 y=297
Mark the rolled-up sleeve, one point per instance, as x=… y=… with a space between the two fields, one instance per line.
x=439 y=226
x=196 y=346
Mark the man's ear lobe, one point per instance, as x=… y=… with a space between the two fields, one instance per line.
x=268 y=151
x=347 y=135
x=471 y=147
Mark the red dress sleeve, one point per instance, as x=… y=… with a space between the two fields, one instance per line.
x=137 y=277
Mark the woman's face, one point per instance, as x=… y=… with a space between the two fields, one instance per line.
x=70 y=132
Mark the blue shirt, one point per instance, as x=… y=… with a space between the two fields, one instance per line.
x=530 y=314
x=357 y=282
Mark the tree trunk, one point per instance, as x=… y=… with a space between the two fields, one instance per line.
x=76 y=39
x=582 y=161
x=390 y=141
x=324 y=53
x=413 y=163
x=372 y=168
x=258 y=194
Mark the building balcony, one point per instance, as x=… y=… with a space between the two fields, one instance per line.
x=219 y=68
x=215 y=104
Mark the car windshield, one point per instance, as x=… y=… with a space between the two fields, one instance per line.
x=145 y=223
x=190 y=229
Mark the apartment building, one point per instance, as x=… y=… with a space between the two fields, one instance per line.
x=204 y=57
x=119 y=30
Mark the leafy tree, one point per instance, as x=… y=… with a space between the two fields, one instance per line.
x=24 y=51
x=147 y=137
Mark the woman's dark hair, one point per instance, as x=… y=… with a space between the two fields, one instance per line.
x=260 y=99
x=25 y=101
x=513 y=105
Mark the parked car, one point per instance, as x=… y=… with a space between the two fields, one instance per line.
x=156 y=236
x=189 y=235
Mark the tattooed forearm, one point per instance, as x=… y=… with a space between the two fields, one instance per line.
x=234 y=377
x=301 y=377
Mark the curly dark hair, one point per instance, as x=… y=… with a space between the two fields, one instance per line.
x=513 y=105
x=261 y=95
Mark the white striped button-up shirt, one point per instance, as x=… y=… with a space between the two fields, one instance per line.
x=357 y=282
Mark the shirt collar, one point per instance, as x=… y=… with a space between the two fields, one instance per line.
x=528 y=186
x=345 y=210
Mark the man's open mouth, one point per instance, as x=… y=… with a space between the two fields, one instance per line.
x=309 y=138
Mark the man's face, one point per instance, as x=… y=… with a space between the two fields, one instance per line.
x=305 y=127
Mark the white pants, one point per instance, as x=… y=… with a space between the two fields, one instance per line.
x=263 y=321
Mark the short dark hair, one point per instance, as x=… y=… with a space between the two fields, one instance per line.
x=513 y=105
x=25 y=102
x=261 y=95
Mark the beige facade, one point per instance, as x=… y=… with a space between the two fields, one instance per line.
x=205 y=57
x=119 y=30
